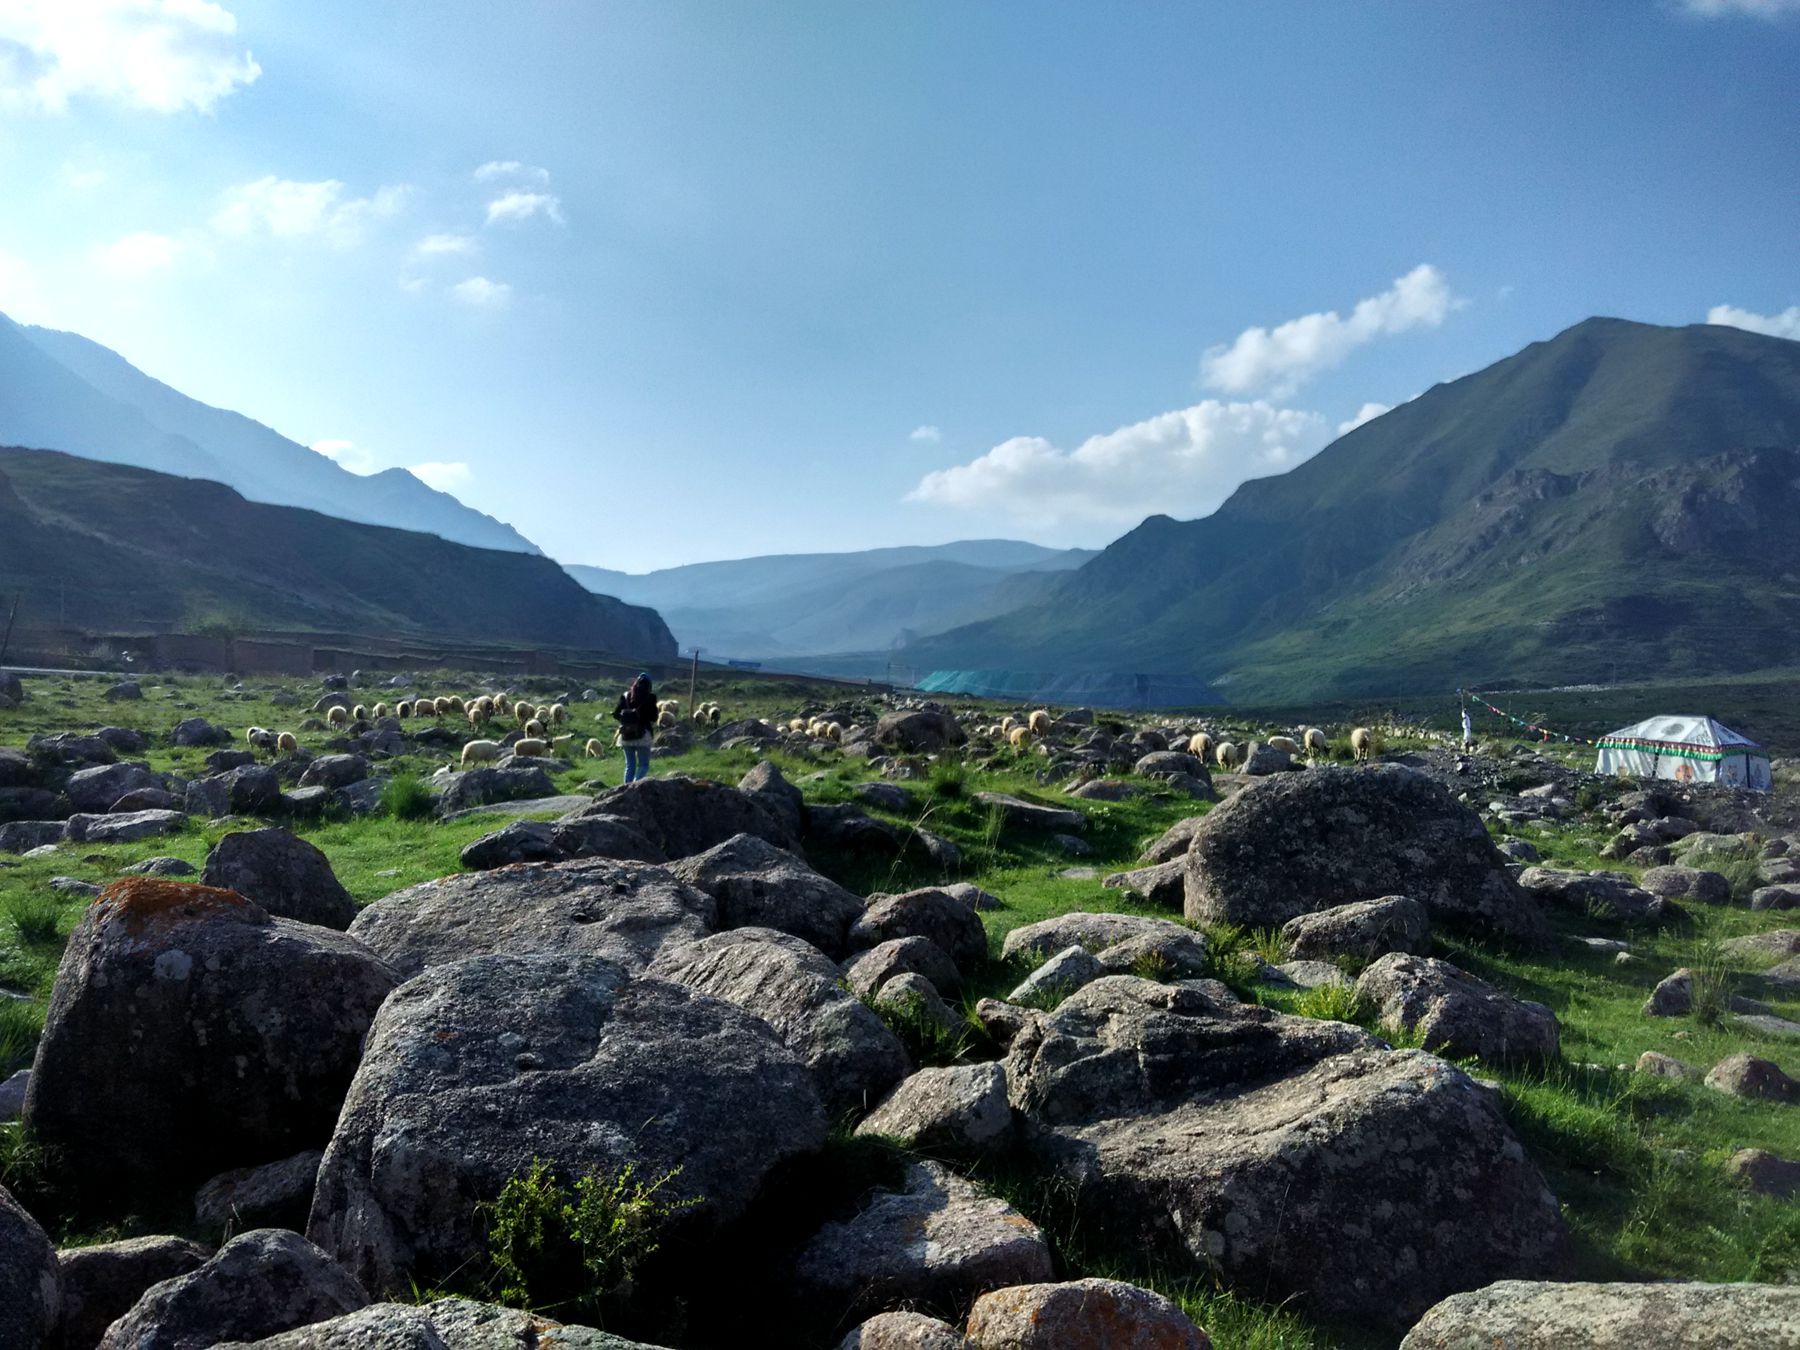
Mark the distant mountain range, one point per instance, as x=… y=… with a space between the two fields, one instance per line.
x=60 y=391
x=790 y=609
x=1620 y=501
x=115 y=548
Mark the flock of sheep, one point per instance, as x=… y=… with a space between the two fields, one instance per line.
x=1022 y=734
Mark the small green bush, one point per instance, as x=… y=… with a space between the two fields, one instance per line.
x=33 y=916
x=576 y=1247
x=949 y=777
x=1333 y=1003
x=407 y=798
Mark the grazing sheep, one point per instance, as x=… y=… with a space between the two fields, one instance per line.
x=665 y=720
x=833 y=732
x=481 y=752
x=1019 y=737
x=1039 y=722
x=1285 y=744
x=1314 y=741
x=456 y=704
x=796 y=724
x=534 y=728
x=559 y=713
x=380 y=710
x=403 y=710
x=1362 y=743
x=1227 y=755
x=593 y=750
x=251 y=734
x=531 y=746
x=287 y=743
x=523 y=712
x=672 y=705
x=500 y=705
x=1007 y=724
x=359 y=713
x=1200 y=745
x=336 y=715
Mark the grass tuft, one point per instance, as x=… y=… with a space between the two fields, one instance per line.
x=407 y=798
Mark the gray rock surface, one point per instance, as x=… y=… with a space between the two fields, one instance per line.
x=758 y=885
x=274 y=1195
x=867 y=972
x=928 y=913
x=1080 y=928
x=1362 y=930
x=252 y=790
x=125 y=828
x=1060 y=976
x=768 y=788
x=335 y=771
x=1601 y=895
x=1016 y=811
x=198 y=731
x=1160 y=884
x=1526 y=1315
x=1456 y=1013
x=933 y=1241
x=287 y=876
x=189 y=1030
x=684 y=816
x=623 y=911
x=97 y=787
x=1082 y=1315
x=444 y=1324
x=1746 y=1075
x=914 y=996
x=494 y=783
x=102 y=1282
x=264 y=1282
x=1172 y=844
x=1687 y=883
x=1764 y=1173
x=960 y=1111
x=31 y=1290
x=853 y=1057
x=918 y=731
x=904 y=1331
x=1224 y=1139
x=1296 y=843
x=472 y=1070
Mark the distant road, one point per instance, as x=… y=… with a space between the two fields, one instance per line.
x=51 y=670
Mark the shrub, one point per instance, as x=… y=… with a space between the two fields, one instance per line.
x=553 y=1246
x=1712 y=976
x=949 y=777
x=407 y=798
x=1333 y=1003
x=33 y=916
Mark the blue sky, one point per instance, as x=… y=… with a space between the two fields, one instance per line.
x=664 y=282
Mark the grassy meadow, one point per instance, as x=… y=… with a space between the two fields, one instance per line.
x=1638 y=1162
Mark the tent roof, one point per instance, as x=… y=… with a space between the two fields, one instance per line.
x=1694 y=732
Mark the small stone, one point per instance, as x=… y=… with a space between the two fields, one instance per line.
x=1765 y=1173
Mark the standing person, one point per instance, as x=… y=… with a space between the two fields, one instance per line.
x=636 y=716
x=1468 y=731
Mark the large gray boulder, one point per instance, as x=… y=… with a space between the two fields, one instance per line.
x=444 y=1324
x=251 y=790
x=1362 y=930
x=684 y=816
x=1033 y=815
x=21 y=836
x=1080 y=928
x=1527 y=1315
x=934 y=1240
x=189 y=1030
x=71 y=748
x=1596 y=895
x=125 y=828
x=1082 y=1315
x=796 y=989
x=475 y=1069
x=494 y=783
x=264 y=1282
x=918 y=731
x=929 y=913
x=623 y=911
x=1173 y=843
x=766 y=786
x=101 y=1283
x=96 y=788
x=904 y=1331
x=1161 y=884
x=193 y=731
x=957 y=1111
x=274 y=1195
x=1295 y=843
x=1675 y=882
x=335 y=771
x=31 y=1290
x=866 y=973
x=563 y=840
x=758 y=885
x=1282 y=1155
x=30 y=803
x=283 y=873
x=1455 y=1013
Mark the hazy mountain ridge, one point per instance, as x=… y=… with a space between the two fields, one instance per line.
x=62 y=391
x=111 y=547
x=1462 y=536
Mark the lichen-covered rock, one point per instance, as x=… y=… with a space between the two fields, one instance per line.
x=684 y=816
x=1283 y=1155
x=101 y=1283
x=1296 y=843
x=190 y=1030
x=1362 y=930
x=794 y=987
x=934 y=1241
x=758 y=885
x=1659 y=1065
x=1673 y=995
x=1598 y=895
x=766 y=786
x=1456 y=1013
x=904 y=1331
x=335 y=771
x=1079 y=928
x=624 y=911
x=1058 y=977
x=274 y=1195
x=1082 y=1315
x=259 y=1284
x=866 y=973
x=929 y=913
x=287 y=876
x=918 y=731
x=1526 y=1315
x=1687 y=883
x=1745 y=1075
x=125 y=828
x=96 y=788
x=958 y=1111
x=445 y=1324
x=1764 y=1173
x=1174 y=953
x=31 y=1290
x=1161 y=884
x=494 y=783
x=1032 y=815
x=915 y=997
x=1173 y=843
x=474 y=1069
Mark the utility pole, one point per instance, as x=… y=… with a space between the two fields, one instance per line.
x=693 y=678
x=6 y=641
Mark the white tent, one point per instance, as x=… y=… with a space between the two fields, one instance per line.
x=1687 y=749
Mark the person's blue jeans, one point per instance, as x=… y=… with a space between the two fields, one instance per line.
x=637 y=762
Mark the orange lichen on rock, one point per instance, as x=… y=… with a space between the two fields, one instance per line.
x=139 y=901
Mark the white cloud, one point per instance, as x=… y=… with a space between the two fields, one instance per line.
x=159 y=55
x=511 y=168
x=525 y=205
x=79 y=178
x=1784 y=325
x=21 y=297
x=444 y=245
x=139 y=254
x=1367 y=413
x=482 y=293
x=1279 y=360
x=1761 y=9
x=1183 y=463
x=929 y=434
x=285 y=209
x=347 y=455
x=444 y=476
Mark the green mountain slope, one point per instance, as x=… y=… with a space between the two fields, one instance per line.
x=1494 y=529
x=126 y=549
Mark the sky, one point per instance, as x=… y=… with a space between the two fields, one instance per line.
x=665 y=282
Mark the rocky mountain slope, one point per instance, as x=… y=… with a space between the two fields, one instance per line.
x=108 y=546
x=1617 y=500
x=60 y=391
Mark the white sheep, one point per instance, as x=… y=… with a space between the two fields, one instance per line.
x=523 y=712
x=593 y=750
x=481 y=752
x=1039 y=722
x=559 y=713
x=456 y=704
x=531 y=746
x=535 y=729
x=379 y=710
x=403 y=710
x=1314 y=741
x=1227 y=755
x=665 y=720
x=796 y=724
x=833 y=732
x=287 y=743
x=253 y=734
x=1200 y=745
x=359 y=713
x=1019 y=737
x=1362 y=743
x=337 y=715
x=672 y=705
x=1287 y=745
